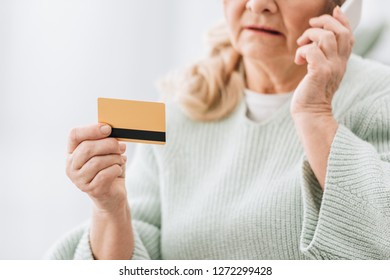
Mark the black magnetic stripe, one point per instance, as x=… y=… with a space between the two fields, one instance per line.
x=138 y=134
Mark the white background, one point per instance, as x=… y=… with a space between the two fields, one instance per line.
x=56 y=58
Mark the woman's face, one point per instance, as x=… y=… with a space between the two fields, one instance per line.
x=270 y=28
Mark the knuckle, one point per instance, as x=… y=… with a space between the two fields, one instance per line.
x=78 y=183
x=110 y=145
x=329 y=35
x=73 y=176
x=78 y=179
x=119 y=159
x=88 y=188
x=114 y=144
x=352 y=42
x=308 y=32
x=119 y=168
x=68 y=166
x=73 y=165
x=93 y=164
x=93 y=192
x=73 y=135
x=312 y=49
x=103 y=176
x=87 y=148
x=67 y=171
x=344 y=32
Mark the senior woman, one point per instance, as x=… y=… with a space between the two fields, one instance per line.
x=278 y=148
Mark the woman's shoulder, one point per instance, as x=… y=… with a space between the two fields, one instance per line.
x=364 y=91
x=365 y=82
x=367 y=73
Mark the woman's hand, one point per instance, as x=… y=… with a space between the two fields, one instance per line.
x=96 y=165
x=326 y=48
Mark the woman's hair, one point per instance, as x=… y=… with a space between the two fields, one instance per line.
x=211 y=88
x=338 y=2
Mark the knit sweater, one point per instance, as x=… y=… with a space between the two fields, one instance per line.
x=237 y=189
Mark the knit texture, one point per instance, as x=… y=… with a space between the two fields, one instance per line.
x=237 y=189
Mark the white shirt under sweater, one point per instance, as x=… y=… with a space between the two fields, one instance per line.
x=261 y=106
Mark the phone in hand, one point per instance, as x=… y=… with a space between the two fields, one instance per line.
x=353 y=10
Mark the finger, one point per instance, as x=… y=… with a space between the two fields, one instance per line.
x=325 y=39
x=69 y=169
x=315 y=58
x=342 y=31
x=300 y=55
x=96 y=164
x=89 y=149
x=104 y=179
x=90 y=132
x=340 y=16
x=334 y=22
x=310 y=54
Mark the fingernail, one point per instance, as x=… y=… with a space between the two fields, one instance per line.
x=105 y=129
x=124 y=158
x=122 y=147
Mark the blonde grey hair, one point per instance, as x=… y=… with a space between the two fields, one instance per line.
x=211 y=88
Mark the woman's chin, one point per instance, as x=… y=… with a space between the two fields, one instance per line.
x=263 y=53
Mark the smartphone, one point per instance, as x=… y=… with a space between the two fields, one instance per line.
x=353 y=10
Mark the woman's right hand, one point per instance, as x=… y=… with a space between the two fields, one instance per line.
x=96 y=165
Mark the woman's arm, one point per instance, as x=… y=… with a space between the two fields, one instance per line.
x=350 y=218
x=316 y=132
x=325 y=48
x=111 y=234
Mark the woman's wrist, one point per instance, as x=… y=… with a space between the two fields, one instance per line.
x=113 y=206
x=111 y=234
x=119 y=213
x=314 y=120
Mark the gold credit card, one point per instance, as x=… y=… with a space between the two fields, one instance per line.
x=133 y=121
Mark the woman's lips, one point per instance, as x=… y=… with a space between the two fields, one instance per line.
x=263 y=29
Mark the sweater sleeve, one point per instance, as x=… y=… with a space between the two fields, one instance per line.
x=350 y=219
x=144 y=200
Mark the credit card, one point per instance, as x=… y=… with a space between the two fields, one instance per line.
x=133 y=121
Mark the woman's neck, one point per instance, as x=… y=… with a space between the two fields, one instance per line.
x=273 y=77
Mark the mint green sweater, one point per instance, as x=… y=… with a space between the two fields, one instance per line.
x=236 y=189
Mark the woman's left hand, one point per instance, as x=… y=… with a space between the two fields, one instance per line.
x=326 y=48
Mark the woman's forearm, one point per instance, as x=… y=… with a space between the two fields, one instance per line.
x=111 y=235
x=316 y=133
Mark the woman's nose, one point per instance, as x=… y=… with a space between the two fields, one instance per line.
x=260 y=6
